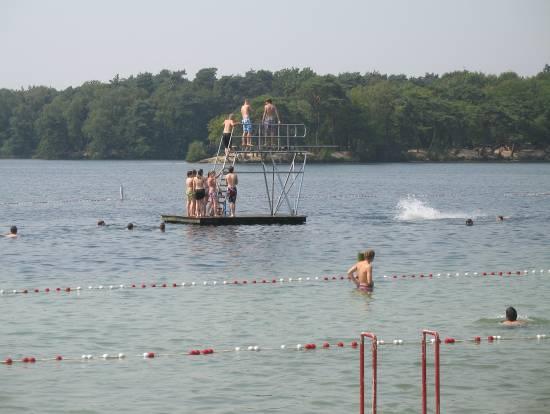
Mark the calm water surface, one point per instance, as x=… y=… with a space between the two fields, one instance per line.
x=411 y=214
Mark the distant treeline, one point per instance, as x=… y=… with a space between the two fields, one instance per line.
x=377 y=117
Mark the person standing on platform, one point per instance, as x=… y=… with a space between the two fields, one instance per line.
x=189 y=193
x=228 y=125
x=361 y=272
x=246 y=109
x=232 y=182
x=268 y=120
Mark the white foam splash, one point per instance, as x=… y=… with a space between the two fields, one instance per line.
x=411 y=209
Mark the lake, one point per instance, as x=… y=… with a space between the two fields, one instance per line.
x=412 y=215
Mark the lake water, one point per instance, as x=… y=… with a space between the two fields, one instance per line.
x=412 y=215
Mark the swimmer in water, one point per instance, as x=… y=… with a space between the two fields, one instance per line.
x=361 y=272
x=162 y=227
x=512 y=318
x=130 y=226
x=101 y=223
x=12 y=234
x=469 y=222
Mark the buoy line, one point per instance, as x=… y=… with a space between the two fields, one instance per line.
x=247 y=282
x=311 y=346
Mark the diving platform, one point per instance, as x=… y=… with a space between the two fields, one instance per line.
x=234 y=221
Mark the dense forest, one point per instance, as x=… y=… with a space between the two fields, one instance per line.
x=376 y=117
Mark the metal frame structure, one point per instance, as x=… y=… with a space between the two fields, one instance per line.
x=374 y=356
x=437 y=341
x=274 y=145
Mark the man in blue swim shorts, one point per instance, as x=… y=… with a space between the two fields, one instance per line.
x=247 y=124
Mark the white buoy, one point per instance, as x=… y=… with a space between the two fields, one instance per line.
x=284 y=346
x=256 y=348
x=105 y=356
x=250 y=348
x=100 y=287
x=237 y=348
x=214 y=283
x=121 y=356
x=299 y=346
x=225 y=282
x=193 y=283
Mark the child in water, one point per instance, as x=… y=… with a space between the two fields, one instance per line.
x=361 y=272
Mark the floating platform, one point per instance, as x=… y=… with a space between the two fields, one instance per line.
x=234 y=221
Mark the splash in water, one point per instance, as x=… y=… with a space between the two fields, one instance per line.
x=411 y=209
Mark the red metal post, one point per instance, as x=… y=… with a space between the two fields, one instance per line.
x=436 y=367
x=374 y=355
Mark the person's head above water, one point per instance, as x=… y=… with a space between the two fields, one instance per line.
x=162 y=227
x=189 y=173
x=231 y=169
x=369 y=255
x=13 y=229
x=130 y=226
x=511 y=314
x=469 y=222
x=500 y=218
x=100 y=223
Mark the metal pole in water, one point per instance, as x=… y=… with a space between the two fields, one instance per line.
x=121 y=192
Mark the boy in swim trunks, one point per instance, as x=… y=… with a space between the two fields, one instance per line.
x=232 y=181
x=268 y=119
x=361 y=272
x=247 y=124
x=228 y=125
x=189 y=193
x=512 y=318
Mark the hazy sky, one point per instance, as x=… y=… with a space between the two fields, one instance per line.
x=66 y=42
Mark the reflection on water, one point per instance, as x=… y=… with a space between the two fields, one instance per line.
x=56 y=206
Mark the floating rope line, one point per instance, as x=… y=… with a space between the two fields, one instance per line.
x=246 y=282
x=324 y=346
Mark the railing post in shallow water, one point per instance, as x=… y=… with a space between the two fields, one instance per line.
x=374 y=355
x=436 y=367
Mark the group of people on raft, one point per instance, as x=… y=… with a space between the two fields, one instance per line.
x=203 y=192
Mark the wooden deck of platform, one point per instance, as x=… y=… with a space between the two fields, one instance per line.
x=238 y=221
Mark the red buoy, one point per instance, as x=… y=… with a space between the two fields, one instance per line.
x=263 y=280
x=174 y=285
x=58 y=289
x=25 y=291
x=67 y=289
x=500 y=273
x=164 y=285
x=8 y=361
x=143 y=286
x=354 y=344
x=394 y=276
x=244 y=282
x=194 y=352
x=150 y=355
x=25 y=360
x=47 y=290
x=236 y=282
x=340 y=344
x=326 y=345
x=153 y=285
x=32 y=360
x=310 y=346
x=254 y=281
x=449 y=340
x=133 y=286
x=484 y=273
x=326 y=278
x=58 y=358
x=273 y=281
x=490 y=338
x=477 y=339
x=36 y=290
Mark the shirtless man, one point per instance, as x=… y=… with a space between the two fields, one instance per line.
x=247 y=124
x=212 y=193
x=200 y=194
x=268 y=120
x=189 y=193
x=13 y=233
x=512 y=318
x=232 y=181
x=361 y=272
x=228 y=125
